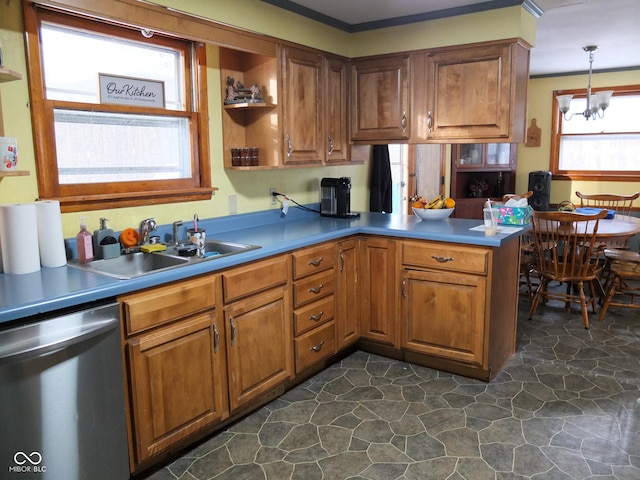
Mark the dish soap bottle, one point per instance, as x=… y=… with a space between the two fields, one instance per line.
x=105 y=244
x=84 y=242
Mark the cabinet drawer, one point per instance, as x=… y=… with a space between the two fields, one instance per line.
x=315 y=345
x=161 y=305
x=257 y=276
x=314 y=287
x=314 y=314
x=311 y=260
x=447 y=257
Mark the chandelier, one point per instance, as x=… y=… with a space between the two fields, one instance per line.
x=597 y=102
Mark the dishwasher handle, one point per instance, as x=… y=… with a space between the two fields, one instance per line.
x=28 y=342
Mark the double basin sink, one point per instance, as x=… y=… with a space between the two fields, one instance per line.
x=132 y=265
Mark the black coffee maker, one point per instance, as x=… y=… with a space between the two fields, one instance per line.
x=336 y=198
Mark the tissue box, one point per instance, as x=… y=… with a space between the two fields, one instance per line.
x=512 y=215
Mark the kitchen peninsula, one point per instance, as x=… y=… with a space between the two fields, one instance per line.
x=440 y=294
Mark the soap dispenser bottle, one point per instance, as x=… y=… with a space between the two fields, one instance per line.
x=84 y=242
x=105 y=244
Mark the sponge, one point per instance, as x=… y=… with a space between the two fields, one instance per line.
x=156 y=247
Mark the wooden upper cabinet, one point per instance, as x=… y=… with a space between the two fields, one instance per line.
x=336 y=111
x=302 y=100
x=380 y=108
x=476 y=93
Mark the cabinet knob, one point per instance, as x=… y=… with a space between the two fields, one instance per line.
x=316 y=289
x=429 y=121
x=318 y=347
x=233 y=330
x=317 y=317
x=330 y=144
x=216 y=338
x=289 y=146
x=404 y=122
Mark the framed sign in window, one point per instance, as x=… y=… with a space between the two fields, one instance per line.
x=139 y=92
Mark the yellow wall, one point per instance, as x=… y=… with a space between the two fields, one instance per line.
x=251 y=188
x=540 y=96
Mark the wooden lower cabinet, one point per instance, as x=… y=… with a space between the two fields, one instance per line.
x=459 y=306
x=177 y=371
x=377 y=287
x=443 y=314
x=257 y=315
x=259 y=348
x=347 y=299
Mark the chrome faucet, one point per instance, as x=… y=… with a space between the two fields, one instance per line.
x=146 y=227
x=176 y=238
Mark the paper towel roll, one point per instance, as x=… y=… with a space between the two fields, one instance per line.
x=19 y=233
x=50 y=236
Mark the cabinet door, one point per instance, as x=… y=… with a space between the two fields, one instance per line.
x=178 y=382
x=473 y=93
x=377 y=296
x=302 y=98
x=336 y=111
x=259 y=344
x=443 y=314
x=379 y=96
x=347 y=299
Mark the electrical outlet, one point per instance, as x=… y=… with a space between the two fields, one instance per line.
x=271 y=194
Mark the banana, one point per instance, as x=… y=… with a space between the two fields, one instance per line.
x=435 y=203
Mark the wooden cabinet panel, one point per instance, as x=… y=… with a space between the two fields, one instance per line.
x=314 y=314
x=444 y=314
x=255 y=277
x=478 y=92
x=303 y=110
x=377 y=291
x=336 y=111
x=259 y=350
x=177 y=381
x=312 y=260
x=312 y=288
x=316 y=345
x=157 y=306
x=380 y=107
x=442 y=256
x=347 y=298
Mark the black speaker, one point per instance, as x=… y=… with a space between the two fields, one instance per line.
x=540 y=185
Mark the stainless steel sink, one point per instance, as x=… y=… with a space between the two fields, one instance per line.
x=132 y=265
x=216 y=248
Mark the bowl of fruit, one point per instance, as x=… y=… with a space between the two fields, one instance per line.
x=438 y=208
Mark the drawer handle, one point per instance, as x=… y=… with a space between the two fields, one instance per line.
x=316 y=289
x=318 y=347
x=216 y=338
x=316 y=262
x=317 y=317
x=442 y=259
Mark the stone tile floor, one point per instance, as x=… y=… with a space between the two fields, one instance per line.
x=566 y=406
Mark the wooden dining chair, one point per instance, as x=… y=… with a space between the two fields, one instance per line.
x=625 y=281
x=566 y=252
x=622 y=204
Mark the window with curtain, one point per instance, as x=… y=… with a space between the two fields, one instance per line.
x=602 y=148
x=119 y=113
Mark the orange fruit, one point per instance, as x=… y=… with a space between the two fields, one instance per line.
x=449 y=202
x=418 y=204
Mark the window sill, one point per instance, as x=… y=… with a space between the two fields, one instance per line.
x=598 y=176
x=82 y=203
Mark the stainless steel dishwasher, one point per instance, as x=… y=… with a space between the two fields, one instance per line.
x=62 y=404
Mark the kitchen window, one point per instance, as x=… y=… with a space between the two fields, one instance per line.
x=601 y=149
x=119 y=113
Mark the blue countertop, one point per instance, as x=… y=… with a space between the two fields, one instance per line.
x=52 y=289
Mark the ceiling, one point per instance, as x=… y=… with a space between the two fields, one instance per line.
x=563 y=28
